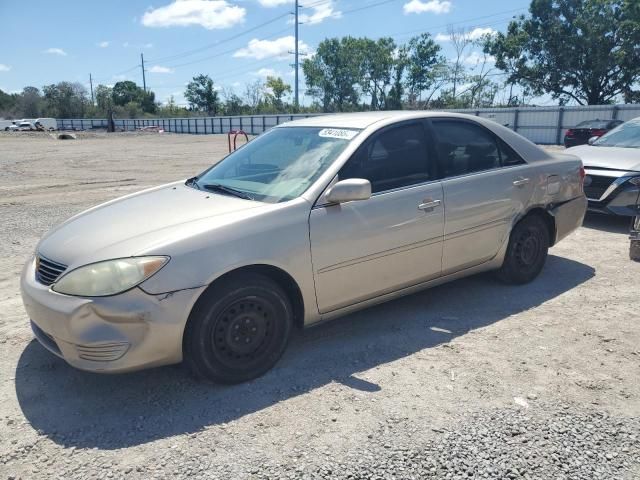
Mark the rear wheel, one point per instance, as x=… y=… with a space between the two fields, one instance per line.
x=239 y=330
x=526 y=252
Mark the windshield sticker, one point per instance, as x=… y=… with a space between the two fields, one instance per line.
x=338 y=133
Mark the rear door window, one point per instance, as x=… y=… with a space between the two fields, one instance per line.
x=464 y=148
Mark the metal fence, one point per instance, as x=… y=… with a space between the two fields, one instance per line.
x=251 y=124
x=542 y=125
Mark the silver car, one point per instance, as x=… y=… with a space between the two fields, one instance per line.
x=313 y=219
x=612 y=164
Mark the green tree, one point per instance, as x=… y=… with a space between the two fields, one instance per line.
x=29 y=103
x=426 y=67
x=65 y=100
x=581 y=50
x=233 y=105
x=278 y=90
x=127 y=92
x=333 y=74
x=7 y=103
x=202 y=96
x=104 y=98
x=377 y=65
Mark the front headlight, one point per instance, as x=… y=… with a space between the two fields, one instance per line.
x=635 y=181
x=109 y=277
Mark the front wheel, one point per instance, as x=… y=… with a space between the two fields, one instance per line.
x=526 y=252
x=239 y=330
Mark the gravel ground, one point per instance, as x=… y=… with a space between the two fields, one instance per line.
x=468 y=380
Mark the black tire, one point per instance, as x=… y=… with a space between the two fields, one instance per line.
x=238 y=330
x=527 y=251
x=634 y=250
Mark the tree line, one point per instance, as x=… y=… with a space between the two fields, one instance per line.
x=580 y=51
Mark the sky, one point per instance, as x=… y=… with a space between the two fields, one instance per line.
x=233 y=41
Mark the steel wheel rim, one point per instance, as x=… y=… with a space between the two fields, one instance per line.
x=243 y=332
x=528 y=248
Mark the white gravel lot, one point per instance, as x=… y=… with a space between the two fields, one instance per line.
x=472 y=379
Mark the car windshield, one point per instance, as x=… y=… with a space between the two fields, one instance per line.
x=277 y=166
x=626 y=135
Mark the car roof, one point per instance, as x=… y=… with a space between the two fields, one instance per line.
x=363 y=120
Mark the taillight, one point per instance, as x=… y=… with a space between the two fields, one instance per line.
x=570 y=133
x=598 y=132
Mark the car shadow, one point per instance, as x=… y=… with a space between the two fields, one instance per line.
x=86 y=410
x=607 y=223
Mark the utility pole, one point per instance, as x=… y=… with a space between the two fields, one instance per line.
x=144 y=82
x=91 y=85
x=297 y=65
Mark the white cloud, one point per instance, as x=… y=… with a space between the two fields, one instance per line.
x=55 y=51
x=477 y=58
x=4 y=68
x=432 y=6
x=160 y=69
x=478 y=32
x=280 y=47
x=266 y=72
x=104 y=44
x=319 y=10
x=475 y=34
x=210 y=14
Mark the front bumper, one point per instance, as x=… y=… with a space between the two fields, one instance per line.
x=623 y=201
x=125 y=332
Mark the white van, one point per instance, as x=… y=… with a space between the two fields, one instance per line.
x=48 y=124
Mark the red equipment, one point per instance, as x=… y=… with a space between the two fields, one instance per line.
x=235 y=134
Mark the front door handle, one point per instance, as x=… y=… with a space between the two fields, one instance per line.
x=520 y=182
x=428 y=205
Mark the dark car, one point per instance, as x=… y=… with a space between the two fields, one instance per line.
x=581 y=133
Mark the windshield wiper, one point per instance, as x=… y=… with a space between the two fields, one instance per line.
x=192 y=182
x=228 y=190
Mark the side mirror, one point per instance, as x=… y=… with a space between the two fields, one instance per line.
x=349 y=190
x=593 y=139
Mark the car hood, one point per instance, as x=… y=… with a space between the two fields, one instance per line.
x=138 y=223
x=612 y=158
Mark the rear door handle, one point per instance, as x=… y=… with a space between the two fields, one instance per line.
x=428 y=205
x=519 y=182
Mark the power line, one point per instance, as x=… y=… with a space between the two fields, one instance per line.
x=220 y=42
x=219 y=54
